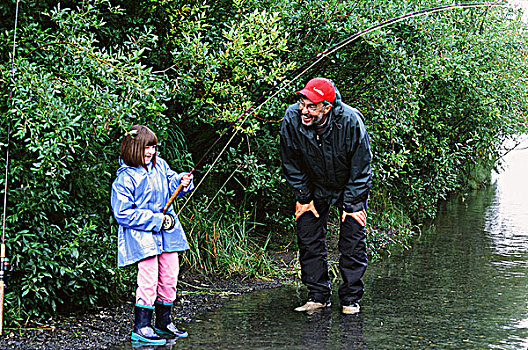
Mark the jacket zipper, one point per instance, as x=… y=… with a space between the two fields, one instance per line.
x=319 y=140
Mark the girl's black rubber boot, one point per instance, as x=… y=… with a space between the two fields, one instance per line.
x=143 y=331
x=164 y=325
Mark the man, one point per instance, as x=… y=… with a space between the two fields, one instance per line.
x=326 y=157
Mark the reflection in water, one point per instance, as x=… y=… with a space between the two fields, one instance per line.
x=461 y=293
x=507 y=222
x=507 y=226
x=265 y=320
x=463 y=285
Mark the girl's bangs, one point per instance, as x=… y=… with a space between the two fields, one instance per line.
x=151 y=139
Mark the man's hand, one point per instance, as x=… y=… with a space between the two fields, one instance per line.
x=303 y=208
x=186 y=179
x=359 y=216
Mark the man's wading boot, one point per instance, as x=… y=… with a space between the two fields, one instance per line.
x=142 y=328
x=351 y=309
x=312 y=305
x=164 y=325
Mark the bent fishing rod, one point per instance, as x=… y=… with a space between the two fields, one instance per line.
x=5 y=266
x=309 y=64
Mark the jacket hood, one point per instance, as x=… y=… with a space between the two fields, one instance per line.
x=124 y=167
x=338 y=102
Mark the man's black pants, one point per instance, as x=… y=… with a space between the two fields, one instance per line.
x=311 y=238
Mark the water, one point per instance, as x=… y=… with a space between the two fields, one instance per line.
x=463 y=285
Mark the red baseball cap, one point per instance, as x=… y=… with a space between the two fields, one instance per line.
x=319 y=90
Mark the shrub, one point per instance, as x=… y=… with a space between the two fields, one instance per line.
x=72 y=101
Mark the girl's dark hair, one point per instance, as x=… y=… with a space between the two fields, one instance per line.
x=134 y=143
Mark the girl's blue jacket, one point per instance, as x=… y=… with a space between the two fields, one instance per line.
x=138 y=198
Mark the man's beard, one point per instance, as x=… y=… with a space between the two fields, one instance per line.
x=314 y=120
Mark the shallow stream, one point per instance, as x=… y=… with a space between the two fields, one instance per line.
x=463 y=285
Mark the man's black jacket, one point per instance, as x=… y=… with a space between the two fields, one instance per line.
x=335 y=166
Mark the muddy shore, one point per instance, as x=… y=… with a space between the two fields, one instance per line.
x=104 y=329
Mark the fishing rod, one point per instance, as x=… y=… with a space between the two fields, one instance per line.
x=5 y=266
x=309 y=64
x=320 y=56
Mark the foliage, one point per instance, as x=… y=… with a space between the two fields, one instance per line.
x=447 y=115
x=72 y=101
x=440 y=93
x=225 y=242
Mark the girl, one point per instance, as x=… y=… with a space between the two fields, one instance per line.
x=146 y=236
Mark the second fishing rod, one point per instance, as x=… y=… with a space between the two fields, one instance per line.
x=303 y=69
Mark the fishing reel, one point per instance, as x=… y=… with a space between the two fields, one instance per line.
x=5 y=268
x=168 y=222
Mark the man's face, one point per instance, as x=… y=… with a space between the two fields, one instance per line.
x=312 y=113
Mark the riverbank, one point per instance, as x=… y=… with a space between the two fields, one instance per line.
x=104 y=329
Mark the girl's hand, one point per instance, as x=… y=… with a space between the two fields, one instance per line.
x=186 y=179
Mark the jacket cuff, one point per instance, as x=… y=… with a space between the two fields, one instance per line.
x=157 y=219
x=187 y=189
x=359 y=203
x=303 y=196
x=304 y=200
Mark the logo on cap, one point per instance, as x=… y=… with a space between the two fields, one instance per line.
x=318 y=91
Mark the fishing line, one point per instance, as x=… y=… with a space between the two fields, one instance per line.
x=319 y=57
x=216 y=195
x=316 y=59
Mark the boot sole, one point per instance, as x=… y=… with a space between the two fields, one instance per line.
x=351 y=311
x=137 y=337
x=160 y=332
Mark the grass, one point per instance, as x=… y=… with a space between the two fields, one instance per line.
x=225 y=242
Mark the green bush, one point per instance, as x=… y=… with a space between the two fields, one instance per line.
x=72 y=102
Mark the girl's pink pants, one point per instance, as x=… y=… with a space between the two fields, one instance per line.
x=157 y=279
